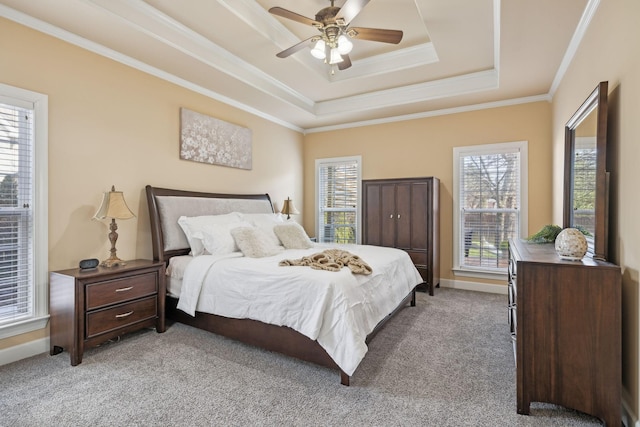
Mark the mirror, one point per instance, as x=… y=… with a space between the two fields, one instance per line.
x=586 y=180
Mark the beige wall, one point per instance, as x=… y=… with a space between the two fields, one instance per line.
x=112 y=125
x=610 y=51
x=424 y=147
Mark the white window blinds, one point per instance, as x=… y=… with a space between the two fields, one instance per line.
x=489 y=204
x=338 y=198
x=16 y=215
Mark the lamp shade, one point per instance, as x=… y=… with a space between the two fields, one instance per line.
x=335 y=56
x=288 y=208
x=319 y=50
x=113 y=206
x=344 y=45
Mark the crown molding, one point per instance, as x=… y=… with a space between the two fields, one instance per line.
x=469 y=83
x=155 y=24
x=432 y=113
x=576 y=39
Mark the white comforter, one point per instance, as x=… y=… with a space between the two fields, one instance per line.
x=338 y=309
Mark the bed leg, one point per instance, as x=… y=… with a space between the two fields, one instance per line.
x=413 y=297
x=344 y=378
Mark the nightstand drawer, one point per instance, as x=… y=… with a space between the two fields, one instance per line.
x=101 y=321
x=120 y=290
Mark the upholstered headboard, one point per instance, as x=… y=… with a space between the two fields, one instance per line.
x=166 y=206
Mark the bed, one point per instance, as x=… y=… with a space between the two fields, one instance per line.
x=194 y=297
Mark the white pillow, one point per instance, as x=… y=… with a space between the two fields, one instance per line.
x=194 y=226
x=254 y=243
x=292 y=236
x=265 y=222
x=217 y=238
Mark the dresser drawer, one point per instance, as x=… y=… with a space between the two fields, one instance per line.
x=108 y=319
x=120 y=290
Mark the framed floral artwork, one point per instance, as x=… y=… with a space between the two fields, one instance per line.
x=209 y=140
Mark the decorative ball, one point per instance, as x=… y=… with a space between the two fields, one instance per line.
x=571 y=244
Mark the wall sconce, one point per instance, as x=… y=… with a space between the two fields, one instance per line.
x=288 y=208
x=113 y=206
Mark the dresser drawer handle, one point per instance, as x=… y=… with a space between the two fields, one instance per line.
x=124 y=289
x=120 y=316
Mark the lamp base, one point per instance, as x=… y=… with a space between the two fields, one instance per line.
x=112 y=262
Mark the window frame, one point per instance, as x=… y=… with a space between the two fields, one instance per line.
x=40 y=310
x=487 y=149
x=332 y=160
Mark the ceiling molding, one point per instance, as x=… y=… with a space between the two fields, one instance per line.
x=469 y=83
x=414 y=56
x=155 y=24
x=581 y=29
x=51 y=30
x=433 y=113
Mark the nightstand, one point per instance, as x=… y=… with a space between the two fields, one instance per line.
x=89 y=307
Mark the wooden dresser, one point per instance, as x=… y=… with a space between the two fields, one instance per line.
x=90 y=307
x=404 y=213
x=565 y=319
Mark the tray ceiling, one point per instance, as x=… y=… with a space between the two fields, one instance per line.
x=455 y=54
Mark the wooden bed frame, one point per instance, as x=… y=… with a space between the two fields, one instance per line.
x=280 y=339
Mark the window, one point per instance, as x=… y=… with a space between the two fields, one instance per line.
x=23 y=207
x=490 y=205
x=584 y=183
x=338 y=197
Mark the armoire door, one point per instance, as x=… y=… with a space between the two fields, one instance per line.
x=389 y=212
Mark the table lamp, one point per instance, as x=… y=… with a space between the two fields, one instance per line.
x=113 y=206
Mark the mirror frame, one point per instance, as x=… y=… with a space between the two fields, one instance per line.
x=598 y=244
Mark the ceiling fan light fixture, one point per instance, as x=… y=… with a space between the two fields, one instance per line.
x=333 y=44
x=318 y=50
x=335 y=56
x=344 y=45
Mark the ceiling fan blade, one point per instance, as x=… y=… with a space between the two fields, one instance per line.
x=293 y=16
x=296 y=47
x=346 y=62
x=376 y=34
x=350 y=10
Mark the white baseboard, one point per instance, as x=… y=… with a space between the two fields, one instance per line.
x=22 y=351
x=473 y=286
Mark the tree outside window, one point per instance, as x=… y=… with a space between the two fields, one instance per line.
x=488 y=203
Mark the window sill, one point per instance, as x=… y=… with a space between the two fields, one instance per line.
x=479 y=274
x=23 y=327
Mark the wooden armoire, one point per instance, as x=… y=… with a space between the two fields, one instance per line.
x=404 y=213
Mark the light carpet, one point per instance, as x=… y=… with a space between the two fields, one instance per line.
x=446 y=362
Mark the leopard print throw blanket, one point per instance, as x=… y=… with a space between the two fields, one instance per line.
x=331 y=260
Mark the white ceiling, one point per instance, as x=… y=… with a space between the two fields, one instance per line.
x=455 y=55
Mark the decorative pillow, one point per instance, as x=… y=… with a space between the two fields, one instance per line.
x=266 y=222
x=254 y=243
x=292 y=236
x=193 y=228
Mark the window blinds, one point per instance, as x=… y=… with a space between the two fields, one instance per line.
x=16 y=214
x=338 y=184
x=490 y=206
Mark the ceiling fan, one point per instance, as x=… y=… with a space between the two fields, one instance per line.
x=333 y=44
